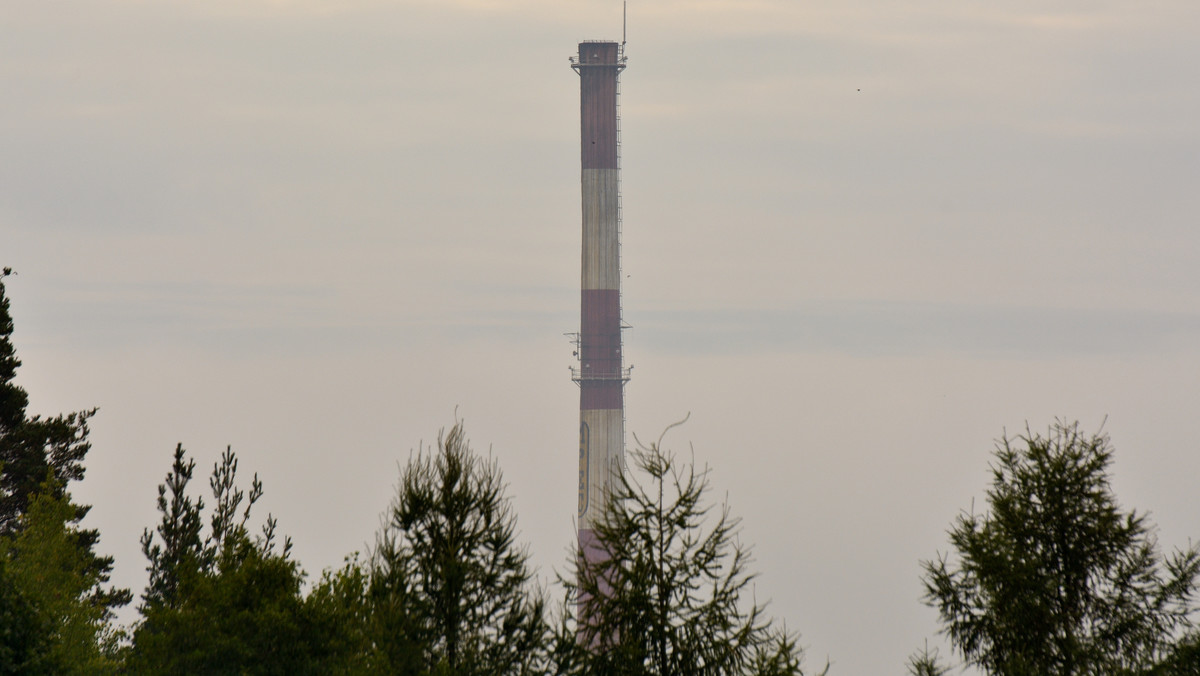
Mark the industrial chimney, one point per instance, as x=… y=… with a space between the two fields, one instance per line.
x=600 y=372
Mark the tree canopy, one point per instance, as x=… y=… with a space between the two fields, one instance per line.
x=671 y=593
x=1055 y=579
x=56 y=611
x=451 y=592
x=60 y=624
x=224 y=600
x=1052 y=578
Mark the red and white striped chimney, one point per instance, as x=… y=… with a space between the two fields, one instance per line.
x=600 y=373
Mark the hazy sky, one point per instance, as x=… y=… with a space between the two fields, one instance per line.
x=862 y=239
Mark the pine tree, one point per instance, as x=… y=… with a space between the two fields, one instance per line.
x=223 y=600
x=180 y=551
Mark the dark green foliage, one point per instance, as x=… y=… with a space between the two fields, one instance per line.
x=31 y=447
x=25 y=634
x=244 y=616
x=670 y=598
x=180 y=549
x=34 y=446
x=228 y=602
x=450 y=591
x=398 y=626
x=53 y=573
x=1055 y=579
x=13 y=398
x=778 y=655
x=343 y=619
x=1184 y=659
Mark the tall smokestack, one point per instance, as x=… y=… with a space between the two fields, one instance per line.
x=600 y=372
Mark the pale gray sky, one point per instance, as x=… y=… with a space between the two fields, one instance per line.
x=862 y=239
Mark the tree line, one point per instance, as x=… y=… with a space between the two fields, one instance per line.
x=1052 y=578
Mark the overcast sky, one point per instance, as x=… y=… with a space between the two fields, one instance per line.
x=862 y=239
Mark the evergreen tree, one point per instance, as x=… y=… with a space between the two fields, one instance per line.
x=180 y=551
x=1055 y=579
x=450 y=591
x=668 y=597
x=227 y=601
x=1184 y=659
x=25 y=634
x=926 y=663
x=45 y=561
x=339 y=602
x=31 y=447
